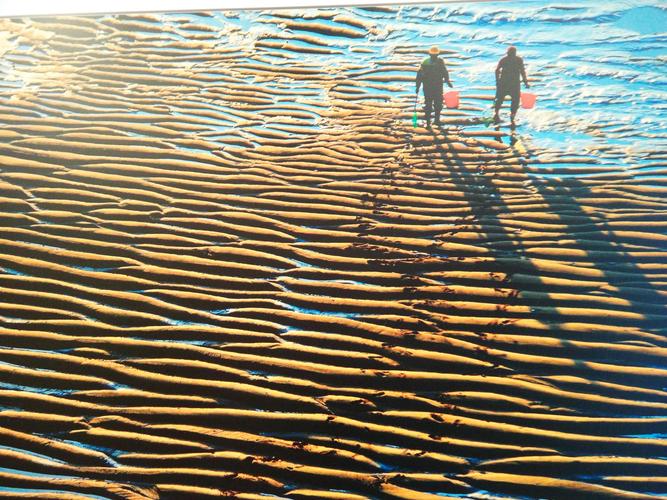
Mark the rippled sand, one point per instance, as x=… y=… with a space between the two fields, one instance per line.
x=230 y=270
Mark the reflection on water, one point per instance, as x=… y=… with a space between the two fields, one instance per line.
x=598 y=68
x=471 y=278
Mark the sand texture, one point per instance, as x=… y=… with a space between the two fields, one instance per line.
x=230 y=267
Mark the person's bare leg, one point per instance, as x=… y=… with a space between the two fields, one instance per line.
x=499 y=102
x=514 y=106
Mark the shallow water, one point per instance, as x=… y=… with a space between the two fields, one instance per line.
x=596 y=68
x=528 y=242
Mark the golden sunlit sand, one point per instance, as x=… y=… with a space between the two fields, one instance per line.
x=230 y=270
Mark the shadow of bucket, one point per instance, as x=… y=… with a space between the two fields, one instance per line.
x=528 y=100
x=452 y=99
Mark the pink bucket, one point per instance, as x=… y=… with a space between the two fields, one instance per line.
x=452 y=99
x=528 y=100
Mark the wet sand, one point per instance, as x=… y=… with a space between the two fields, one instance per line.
x=230 y=270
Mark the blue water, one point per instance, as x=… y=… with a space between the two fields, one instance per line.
x=600 y=64
x=598 y=68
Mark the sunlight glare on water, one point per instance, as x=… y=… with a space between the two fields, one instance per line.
x=594 y=66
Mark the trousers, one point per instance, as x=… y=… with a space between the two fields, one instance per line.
x=433 y=102
x=513 y=91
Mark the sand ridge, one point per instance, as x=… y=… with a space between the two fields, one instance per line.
x=229 y=266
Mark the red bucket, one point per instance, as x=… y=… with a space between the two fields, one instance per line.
x=452 y=99
x=528 y=100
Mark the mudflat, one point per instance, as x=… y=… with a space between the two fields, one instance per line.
x=230 y=266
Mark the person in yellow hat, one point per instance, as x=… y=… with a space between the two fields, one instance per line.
x=432 y=73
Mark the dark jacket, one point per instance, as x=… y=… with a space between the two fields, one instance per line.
x=509 y=71
x=432 y=74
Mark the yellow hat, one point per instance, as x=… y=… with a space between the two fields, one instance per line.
x=434 y=50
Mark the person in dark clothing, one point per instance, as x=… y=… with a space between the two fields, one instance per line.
x=509 y=72
x=432 y=73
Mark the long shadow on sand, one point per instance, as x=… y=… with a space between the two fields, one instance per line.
x=623 y=277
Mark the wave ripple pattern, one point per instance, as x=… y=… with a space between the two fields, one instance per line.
x=231 y=267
